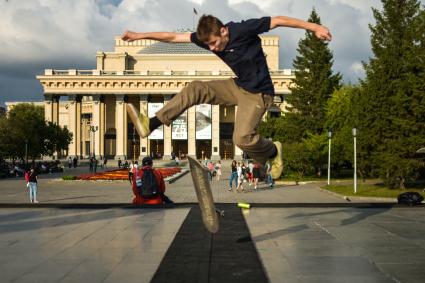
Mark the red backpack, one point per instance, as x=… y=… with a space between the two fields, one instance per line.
x=27 y=176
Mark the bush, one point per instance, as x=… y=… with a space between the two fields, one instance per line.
x=68 y=178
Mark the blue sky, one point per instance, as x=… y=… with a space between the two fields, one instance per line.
x=64 y=34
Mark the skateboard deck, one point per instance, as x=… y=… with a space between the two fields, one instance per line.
x=204 y=195
x=135 y=118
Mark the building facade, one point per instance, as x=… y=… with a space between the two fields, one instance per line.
x=147 y=73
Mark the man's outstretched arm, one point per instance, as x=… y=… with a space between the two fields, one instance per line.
x=321 y=32
x=160 y=36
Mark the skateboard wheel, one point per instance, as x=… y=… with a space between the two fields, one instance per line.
x=244 y=205
x=220 y=212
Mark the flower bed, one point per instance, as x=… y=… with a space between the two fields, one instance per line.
x=122 y=174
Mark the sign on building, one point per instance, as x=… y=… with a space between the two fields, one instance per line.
x=203 y=122
x=179 y=128
x=157 y=134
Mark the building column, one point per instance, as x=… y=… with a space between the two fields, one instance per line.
x=51 y=108
x=98 y=121
x=191 y=131
x=167 y=134
x=143 y=141
x=121 y=127
x=238 y=151
x=51 y=113
x=74 y=122
x=215 y=138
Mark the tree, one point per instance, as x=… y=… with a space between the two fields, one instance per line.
x=297 y=160
x=25 y=124
x=56 y=138
x=391 y=107
x=313 y=85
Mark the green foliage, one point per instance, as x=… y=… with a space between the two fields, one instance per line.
x=391 y=107
x=365 y=190
x=296 y=159
x=316 y=146
x=25 y=124
x=313 y=85
x=69 y=178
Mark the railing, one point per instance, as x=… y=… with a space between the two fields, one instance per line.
x=50 y=72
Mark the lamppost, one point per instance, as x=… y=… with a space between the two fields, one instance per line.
x=94 y=129
x=26 y=151
x=329 y=156
x=355 y=160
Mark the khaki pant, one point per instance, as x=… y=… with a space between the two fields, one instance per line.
x=251 y=108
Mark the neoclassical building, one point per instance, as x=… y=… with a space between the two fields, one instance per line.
x=147 y=73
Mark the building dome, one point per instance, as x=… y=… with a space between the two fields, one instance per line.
x=174 y=48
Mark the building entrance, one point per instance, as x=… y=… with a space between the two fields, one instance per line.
x=180 y=148
x=203 y=149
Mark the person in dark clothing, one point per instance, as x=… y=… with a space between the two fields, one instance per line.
x=233 y=175
x=32 y=184
x=239 y=46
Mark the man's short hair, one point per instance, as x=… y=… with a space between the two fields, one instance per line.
x=208 y=25
x=147 y=161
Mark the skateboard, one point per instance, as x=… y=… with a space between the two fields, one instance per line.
x=135 y=118
x=203 y=193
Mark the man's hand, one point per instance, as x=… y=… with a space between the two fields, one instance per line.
x=322 y=33
x=129 y=36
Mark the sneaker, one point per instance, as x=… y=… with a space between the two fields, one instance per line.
x=140 y=121
x=277 y=162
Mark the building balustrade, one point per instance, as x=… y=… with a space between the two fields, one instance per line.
x=50 y=72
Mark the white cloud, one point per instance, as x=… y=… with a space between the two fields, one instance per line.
x=357 y=68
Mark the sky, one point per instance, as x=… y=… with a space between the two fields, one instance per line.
x=66 y=34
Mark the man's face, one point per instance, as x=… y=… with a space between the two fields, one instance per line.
x=217 y=43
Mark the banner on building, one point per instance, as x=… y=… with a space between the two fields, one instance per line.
x=179 y=128
x=203 y=122
x=157 y=134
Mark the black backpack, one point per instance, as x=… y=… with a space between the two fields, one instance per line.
x=147 y=185
x=410 y=198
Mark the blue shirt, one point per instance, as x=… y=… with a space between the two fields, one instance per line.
x=244 y=54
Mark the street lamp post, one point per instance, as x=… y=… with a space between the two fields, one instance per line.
x=329 y=157
x=355 y=160
x=94 y=129
x=26 y=151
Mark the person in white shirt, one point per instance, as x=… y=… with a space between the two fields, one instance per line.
x=240 y=178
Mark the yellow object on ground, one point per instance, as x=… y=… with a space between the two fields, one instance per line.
x=243 y=205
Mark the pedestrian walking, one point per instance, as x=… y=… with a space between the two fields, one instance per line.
x=256 y=174
x=233 y=175
x=240 y=178
x=218 y=170
x=32 y=184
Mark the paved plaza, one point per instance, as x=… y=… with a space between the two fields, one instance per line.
x=86 y=231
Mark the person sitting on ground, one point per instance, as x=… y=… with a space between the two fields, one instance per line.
x=148 y=184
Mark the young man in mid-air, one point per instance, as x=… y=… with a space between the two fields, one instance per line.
x=239 y=46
